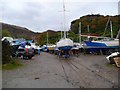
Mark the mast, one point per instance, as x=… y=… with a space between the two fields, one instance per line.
x=80 y=32
x=88 y=31
x=64 y=18
x=47 y=38
x=67 y=34
x=111 y=29
x=106 y=25
x=118 y=35
x=61 y=29
x=61 y=34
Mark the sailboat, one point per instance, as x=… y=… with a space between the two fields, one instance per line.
x=108 y=44
x=64 y=44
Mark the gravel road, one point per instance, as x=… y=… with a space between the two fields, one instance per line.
x=49 y=71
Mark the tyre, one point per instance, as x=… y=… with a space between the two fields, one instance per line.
x=29 y=57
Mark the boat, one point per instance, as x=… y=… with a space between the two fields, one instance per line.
x=51 y=48
x=106 y=45
x=9 y=39
x=64 y=44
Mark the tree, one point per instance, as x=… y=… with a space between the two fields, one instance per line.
x=6 y=52
x=97 y=24
x=6 y=33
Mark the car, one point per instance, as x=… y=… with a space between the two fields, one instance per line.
x=25 y=53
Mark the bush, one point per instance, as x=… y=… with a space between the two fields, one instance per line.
x=6 y=52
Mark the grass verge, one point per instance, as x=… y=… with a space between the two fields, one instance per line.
x=13 y=64
x=110 y=65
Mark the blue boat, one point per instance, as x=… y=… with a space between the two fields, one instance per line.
x=102 y=45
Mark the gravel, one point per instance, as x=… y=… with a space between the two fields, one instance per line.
x=49 y=71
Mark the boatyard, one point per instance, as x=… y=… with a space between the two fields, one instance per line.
x=82 y=52
x=49 y=71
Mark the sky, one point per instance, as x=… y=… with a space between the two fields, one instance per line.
x=42 y=15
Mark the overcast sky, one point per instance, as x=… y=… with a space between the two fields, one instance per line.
x=41 y=15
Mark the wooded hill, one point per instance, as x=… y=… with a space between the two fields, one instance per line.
x=97 y=24
x=16 y=31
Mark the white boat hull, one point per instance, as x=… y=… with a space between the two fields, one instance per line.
x=65 y=44
x=110 y=43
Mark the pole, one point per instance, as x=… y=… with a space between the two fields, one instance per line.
x=111 y=29
x=47 y=38
x=61 y=34
x=106 y=25
x=61 y=29
x=88 y=31
x=119 y=40
x=64 y=18
x=118 y=36
x=80 y=32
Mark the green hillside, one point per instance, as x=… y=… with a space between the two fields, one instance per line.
x=16 y=31
x=97 y=24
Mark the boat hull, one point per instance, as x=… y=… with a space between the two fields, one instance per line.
x=94 y=44
x=65 y=48
x=65 y=44
x=94 y=47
